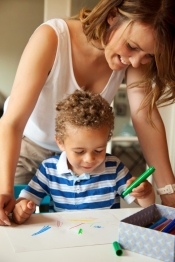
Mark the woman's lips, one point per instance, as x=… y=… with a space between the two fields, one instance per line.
x=123 y=61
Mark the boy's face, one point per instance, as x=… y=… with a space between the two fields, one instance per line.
x=85 y=148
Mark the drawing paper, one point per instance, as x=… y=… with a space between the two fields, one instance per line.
x=60 y=230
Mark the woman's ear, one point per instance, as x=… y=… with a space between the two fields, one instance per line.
x=60 y=144
x=112 y=16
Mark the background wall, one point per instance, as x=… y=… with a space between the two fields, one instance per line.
x=65 y=8
x=56 y=8
x=78 y=4
x=18 y=20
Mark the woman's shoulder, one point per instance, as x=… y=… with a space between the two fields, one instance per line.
x=59 y=25
x=45 y=34
x=50 y=30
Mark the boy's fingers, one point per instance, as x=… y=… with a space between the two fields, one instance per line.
x=141 y=194
x=129 y=181
x=31 y=205
x=23 y=211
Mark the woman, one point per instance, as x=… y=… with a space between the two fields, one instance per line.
x=92 y=51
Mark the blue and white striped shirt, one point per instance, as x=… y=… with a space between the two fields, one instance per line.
x=98 y=190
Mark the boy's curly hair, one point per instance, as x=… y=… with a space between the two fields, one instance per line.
x=83 y=109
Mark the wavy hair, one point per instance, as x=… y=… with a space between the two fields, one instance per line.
x=159 y=78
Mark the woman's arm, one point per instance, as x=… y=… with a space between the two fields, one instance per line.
x=34 y=67
x=153 y=141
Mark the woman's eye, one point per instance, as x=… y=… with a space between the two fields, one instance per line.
x=130 y=47
x=152 y=56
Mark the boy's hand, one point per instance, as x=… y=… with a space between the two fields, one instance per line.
x=23 y=210
x=142 y=191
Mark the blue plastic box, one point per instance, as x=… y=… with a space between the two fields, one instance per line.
x=133 y=235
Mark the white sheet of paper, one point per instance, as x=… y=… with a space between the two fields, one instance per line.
x=66 y=229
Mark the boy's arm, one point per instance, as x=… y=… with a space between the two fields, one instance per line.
x=144 y=193
x=23 y=210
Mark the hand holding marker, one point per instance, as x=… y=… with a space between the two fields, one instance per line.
x=138 y=181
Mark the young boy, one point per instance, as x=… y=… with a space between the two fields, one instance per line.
x=83 y=176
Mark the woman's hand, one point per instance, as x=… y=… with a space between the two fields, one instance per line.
x=23 y=210
x=7 y=203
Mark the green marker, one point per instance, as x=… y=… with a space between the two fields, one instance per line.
x=117 y=248
x=138 y=181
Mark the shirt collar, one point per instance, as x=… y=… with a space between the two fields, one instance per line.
x=62 y=166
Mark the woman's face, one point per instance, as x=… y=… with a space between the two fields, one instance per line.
x=131 y=44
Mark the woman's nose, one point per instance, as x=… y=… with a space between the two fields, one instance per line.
x=138 y=59
x=135 y=61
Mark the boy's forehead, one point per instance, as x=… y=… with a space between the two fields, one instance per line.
x=83 y=134
x=75 y=128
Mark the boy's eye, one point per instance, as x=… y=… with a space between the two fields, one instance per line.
x=80 y=152
x=98 y=151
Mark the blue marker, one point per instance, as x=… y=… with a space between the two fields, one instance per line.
x=160 y=221
x=169 y=227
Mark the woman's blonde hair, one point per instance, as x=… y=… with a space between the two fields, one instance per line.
x=83 y=109
x=159 y=79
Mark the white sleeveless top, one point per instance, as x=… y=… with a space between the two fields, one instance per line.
x=61 y=81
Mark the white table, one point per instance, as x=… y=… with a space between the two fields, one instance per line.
x=97 y=253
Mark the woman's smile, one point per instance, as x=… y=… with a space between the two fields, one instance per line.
x=123 y=61
x=128 y=47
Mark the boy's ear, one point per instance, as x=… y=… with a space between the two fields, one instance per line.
x=112 y=16
x=60 y=144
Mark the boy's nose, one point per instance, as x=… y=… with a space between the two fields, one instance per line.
x=89 y=158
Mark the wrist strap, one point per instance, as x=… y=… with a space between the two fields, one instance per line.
x=168 y=189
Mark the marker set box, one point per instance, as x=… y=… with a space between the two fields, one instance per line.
x=134 y=236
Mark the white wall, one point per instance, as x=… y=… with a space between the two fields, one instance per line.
x=65 y=8
x=18 y=20
x=78 y=4
x=57 y=8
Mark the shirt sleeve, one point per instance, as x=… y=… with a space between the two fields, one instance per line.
x=123 y=175
x=35 y=190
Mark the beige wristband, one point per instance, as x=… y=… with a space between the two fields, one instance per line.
x=168 y=189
